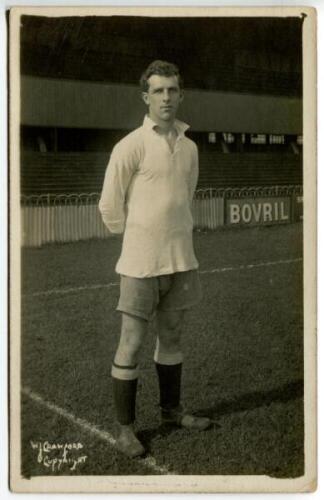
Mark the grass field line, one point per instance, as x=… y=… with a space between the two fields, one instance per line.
x=149 y=461
x=63 y=291
x=251 y=266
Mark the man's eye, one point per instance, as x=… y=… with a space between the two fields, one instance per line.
x=161 y=91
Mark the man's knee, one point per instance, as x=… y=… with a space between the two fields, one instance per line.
x=170 y=320
x=169 y=329
x=132 y=335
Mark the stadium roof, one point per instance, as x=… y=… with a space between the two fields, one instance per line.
x=249 y=55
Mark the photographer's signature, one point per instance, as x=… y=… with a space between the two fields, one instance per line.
x=55 y=456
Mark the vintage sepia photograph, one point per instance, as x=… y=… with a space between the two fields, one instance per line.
x=162 y=215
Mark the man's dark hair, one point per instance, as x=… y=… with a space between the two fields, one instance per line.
x=161 y=68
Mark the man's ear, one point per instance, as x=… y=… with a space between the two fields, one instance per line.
x=181 y=96
x=145 y=98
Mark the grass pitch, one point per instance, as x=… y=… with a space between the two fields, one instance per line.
x=243 y=348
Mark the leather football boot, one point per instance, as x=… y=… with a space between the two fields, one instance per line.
x=181 y=418
x=127 y=442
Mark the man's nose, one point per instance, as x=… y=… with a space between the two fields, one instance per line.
x=166 y=95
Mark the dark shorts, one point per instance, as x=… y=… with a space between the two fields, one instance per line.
x=142 y=297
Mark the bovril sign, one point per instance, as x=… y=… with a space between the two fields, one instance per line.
x=246 y=211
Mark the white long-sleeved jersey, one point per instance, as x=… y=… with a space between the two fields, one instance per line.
x=147 y=194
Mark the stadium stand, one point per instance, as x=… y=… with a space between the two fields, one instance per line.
x=83 y=172
x=65 y=146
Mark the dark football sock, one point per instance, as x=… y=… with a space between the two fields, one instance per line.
x=170 y=385
x=124 y=381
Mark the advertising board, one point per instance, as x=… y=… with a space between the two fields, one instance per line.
x=255 y=211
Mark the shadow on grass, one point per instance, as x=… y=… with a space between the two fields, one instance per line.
x=257 y=399
x=249 y=401
x=164 y=430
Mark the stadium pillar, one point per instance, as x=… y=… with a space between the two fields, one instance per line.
x=55 y=139
x=239 y=143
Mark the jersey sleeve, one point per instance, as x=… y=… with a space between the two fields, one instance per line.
x=194 y=172
x=120 y=170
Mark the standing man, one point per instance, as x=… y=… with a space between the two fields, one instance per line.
x=147 y=195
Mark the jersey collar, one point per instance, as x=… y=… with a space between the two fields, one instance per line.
x=180 y=126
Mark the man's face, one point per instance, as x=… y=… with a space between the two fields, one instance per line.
x=163 y=98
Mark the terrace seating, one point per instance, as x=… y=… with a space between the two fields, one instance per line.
x=249 y=169
x=84 y=172
x=62 y=172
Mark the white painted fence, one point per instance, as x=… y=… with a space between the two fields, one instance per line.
x=74 y=217
x=67 y=218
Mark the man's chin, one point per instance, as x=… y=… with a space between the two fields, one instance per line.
x=167 y=116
